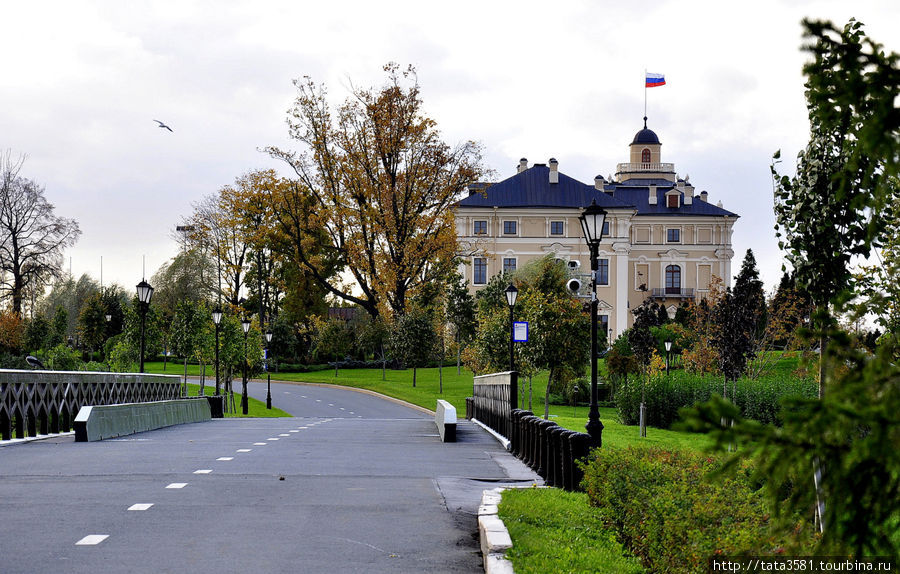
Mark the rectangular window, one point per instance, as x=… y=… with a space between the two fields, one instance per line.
x=479 y=268
x=480 y=228
x=509 y=228
x=557 y=228
x=605 y=232
x=673 y=235
x=603 y=272
x=509 y=264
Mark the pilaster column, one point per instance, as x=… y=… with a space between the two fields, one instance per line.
x=623 y=280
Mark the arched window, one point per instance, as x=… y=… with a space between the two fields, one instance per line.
x=673 y=280
x=645 y=156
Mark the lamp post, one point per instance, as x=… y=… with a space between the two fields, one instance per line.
x=592 y=218
x=144 y=293
x=217 y=318
x=108 y=319
x=511 y=294
x=268 y=373
x=245 y=403
x=668 y=345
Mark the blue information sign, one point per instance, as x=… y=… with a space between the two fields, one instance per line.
x=520 y=331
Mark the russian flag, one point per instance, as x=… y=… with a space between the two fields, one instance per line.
x=655 y=80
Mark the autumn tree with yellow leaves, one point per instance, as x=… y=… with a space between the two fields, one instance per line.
x=373 y=193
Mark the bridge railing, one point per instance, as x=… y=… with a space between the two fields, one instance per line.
x=549 y=449
x=44 y=402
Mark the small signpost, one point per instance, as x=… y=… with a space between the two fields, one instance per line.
x=520 y=331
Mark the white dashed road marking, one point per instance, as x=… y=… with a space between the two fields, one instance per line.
x=203 y=471
x=92 y=539
x=225 y=458
x=259 y=444
x=284 y=434
x=177 y=485
x=244 y=449
x=140 y=506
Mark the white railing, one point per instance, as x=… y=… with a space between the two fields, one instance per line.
x=645 y=168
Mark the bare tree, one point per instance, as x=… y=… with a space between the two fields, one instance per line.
x=32 y=237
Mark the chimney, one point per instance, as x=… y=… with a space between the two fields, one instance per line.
x=599 y=183
x=652 y=198
x=554 y=173
x=703 y=195
x=523 y=165
x=688 y=192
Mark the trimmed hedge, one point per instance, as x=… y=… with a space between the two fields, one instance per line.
x=758 y=399
x=664 y=509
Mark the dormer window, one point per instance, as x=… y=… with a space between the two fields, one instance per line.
x=645 y=156
x=673 y=200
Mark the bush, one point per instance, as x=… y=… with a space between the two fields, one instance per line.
x=666 y=511
x=62 y=358
x=758 y=399
x=300 y=368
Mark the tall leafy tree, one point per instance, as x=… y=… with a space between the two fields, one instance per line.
x=413 y=339
x=374 y=186
x=460 y=313
x=837 y=205
x=32 y=236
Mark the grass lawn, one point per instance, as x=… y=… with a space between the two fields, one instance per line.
x=557 y=531
x=255 y=408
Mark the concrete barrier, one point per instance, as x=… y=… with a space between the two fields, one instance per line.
x=445 y=419
x=108 y=421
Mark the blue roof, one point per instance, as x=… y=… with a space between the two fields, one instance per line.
x=645 y=136
x=639 y=197
x=532 y=188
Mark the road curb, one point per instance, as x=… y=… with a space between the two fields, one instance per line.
x=495 y=540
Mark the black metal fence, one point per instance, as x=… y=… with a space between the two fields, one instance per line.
x=43 y=402
x=549 y=449
x=546 y=447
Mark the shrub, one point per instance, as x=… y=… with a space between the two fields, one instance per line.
x=758 y=399
x=62 y=358
x=666 y=511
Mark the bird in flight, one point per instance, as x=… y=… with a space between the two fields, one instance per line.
x=162 y=125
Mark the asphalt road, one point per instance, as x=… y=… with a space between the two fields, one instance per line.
x=353 y=483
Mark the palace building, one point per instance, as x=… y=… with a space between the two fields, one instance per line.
x=660 y=239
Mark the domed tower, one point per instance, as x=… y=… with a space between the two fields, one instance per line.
x=644 y=161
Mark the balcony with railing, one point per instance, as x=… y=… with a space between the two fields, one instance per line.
x=673 y=293
x=650 y=167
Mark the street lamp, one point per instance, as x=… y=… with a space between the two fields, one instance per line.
x=245 y=403
x=668 y=345
x=144 y=293
x=217 y=318
x=108 y=319
x=592 y=218
x=511 y=294
x=268 y=373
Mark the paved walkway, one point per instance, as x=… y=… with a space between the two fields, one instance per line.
x=354 y=483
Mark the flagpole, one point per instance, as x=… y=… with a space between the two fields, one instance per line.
x=645 y=96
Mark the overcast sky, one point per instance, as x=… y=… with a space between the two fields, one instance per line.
x=82 y=82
